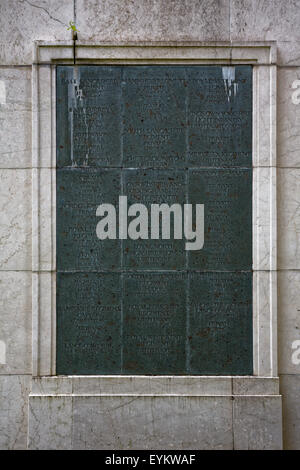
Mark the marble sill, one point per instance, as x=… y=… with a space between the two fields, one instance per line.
x=143 y=385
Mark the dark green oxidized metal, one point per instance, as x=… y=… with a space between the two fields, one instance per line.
x=154 y=323
x=79 y=191
x=157 y=134
x=155 y=187
x=226 y=195
x=220 y=323
x=88 y=323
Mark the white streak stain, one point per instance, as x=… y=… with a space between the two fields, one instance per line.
x=71 y=96
x=76 y=98
x=87 y=137
x=229 y=81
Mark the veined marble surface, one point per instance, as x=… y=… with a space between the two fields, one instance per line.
x=288 y=320
x=14 y=391
x=16 y=319
x=24 y=21
x=290 y=389
x=15 y=117
x=15 y=225
x=265 y=20
x=288 y=218
x=288 y=143
x=158 y=20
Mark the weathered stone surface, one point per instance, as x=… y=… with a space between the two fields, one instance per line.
x=264 y=234
x=156 y=20
x=154 y=412
x=290 y=390
x=50 y=423
x=14 y=391
x=43 y=116
x=288 y=53
x=264 y=114
x=155 y=385
x=23 y=21
x=264 y=21
x=257 y=423
x=149 y=422
x=43 y=321
x=15 y=118
x=16 y=319
x=55 y=385
x=288 y=145
x=255 y=386
x=288 y=320
x=268 y=21
x=15 y=229
x=43 y=181
x=288 y=218
x=265 y=356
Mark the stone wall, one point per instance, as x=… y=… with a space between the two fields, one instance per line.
x=21 y=23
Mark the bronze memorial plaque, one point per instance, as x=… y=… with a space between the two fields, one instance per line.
x=154 y=220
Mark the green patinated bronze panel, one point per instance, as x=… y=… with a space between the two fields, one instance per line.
x=226 y=195
x=148 y=187
x=220 y=323
x=157 y=135
x=88 y=323
x=79 y=191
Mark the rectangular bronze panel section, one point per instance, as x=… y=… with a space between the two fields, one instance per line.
x=79 y=193
x=88 y=323
x=154 y=116
x=155 y=187
x=88 y=116
x=220 y=323
x=157 y=134
x=227 y=198
x=154 y=323
x=219 y=116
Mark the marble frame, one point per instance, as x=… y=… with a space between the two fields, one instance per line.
x=262 y=55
